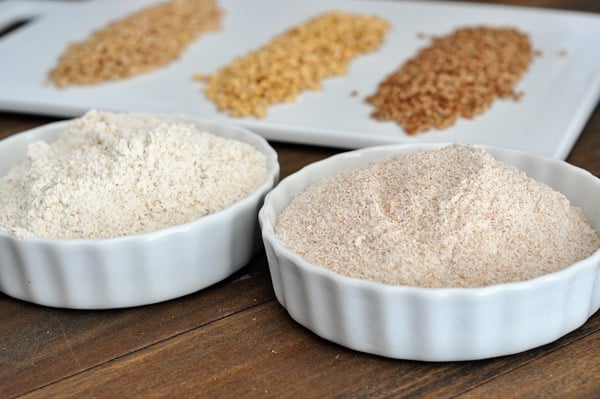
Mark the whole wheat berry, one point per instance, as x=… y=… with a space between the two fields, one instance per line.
x=292 y=62
x=458 y=75
x=141 y=42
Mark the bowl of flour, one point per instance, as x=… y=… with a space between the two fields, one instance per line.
x=436 y=252
x=120 y=209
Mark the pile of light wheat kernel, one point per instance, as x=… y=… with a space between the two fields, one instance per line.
x=292 y=62
x=459 y=75
x=138 y=43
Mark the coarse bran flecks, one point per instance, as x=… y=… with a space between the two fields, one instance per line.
x=110 y=175
x=454 y=217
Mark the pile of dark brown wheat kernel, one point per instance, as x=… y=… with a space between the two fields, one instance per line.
x=459 y=75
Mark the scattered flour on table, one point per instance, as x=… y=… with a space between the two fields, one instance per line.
x=453 y=217
x=111 y=175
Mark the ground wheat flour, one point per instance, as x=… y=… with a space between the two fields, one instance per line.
x=453 y=217
x=111 y=175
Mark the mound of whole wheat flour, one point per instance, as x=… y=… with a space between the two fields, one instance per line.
x=454 y=217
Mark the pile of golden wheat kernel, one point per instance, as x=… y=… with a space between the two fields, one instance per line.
x=138 y=43
x=459 y=75
x=292 y=62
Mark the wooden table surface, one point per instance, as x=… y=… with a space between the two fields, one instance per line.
x=235 y=340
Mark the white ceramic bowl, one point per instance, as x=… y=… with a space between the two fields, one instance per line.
x=435 y=324
x=137 y=269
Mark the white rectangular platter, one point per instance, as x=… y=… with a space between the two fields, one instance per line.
x=561 y=88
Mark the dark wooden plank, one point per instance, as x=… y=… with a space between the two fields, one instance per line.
x=586 y=151
x=293 y=157
x=14 y=123
x=39 y=345
x=261 y=352
x=578 y=5
x=570 y=373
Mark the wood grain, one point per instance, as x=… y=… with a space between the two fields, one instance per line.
x=586 y=151
x=573 y=372
x=40 y=345
x=14 y=123
x=261 y=352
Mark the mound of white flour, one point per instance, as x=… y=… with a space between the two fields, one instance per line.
x=111 y=175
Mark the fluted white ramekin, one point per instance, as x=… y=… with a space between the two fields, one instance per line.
x=138 y=269
x=435 y=324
